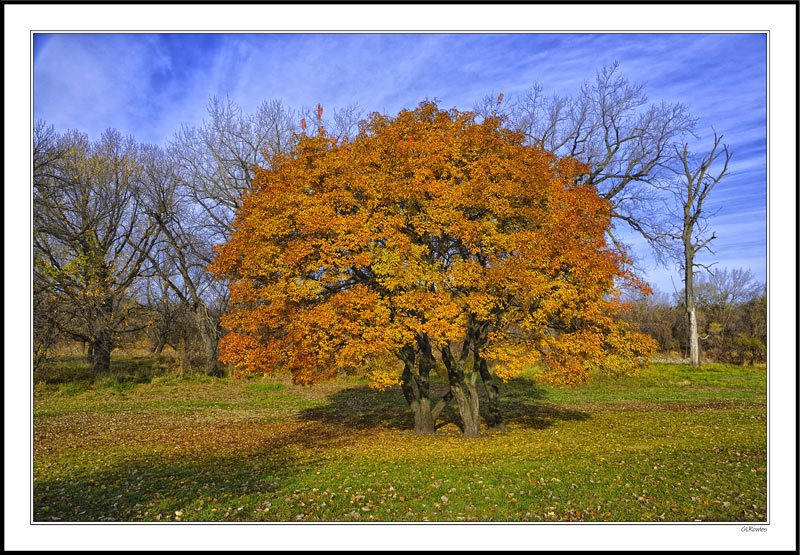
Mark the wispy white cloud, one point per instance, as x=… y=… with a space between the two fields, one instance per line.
x=147 y=85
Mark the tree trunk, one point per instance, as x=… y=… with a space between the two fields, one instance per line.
x=184 y=363
x=423 y=417
x=159 y=346
x=694 y=343
x=691 y=310
x=463 y=389
x=493 y=421
x=466 y=396
x=416 y=387
x=417 y=397
x=207 y=327
x=100 y=348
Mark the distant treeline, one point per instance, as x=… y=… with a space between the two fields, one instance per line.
x=123 y=232
x=732 y=318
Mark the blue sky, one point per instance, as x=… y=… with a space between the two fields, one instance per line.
x=148 y=84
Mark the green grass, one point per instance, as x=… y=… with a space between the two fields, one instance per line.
x=674 y=444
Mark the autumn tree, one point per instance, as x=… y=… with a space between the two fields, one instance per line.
x=696 y=178
x=427 y=236
x=89 y=236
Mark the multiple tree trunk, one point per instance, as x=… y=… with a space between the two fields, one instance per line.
x=418 y=363
x=416 y=386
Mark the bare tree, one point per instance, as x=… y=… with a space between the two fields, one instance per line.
x=723 y=287
x=45 y=328
x=215 y=161
x=652 y=314
x=167 y=313
x=720 y=291
x=345 y=122
x=194 y=189
x=696 y=178
x=46 y=153
x=89 y=236
x=183 y=251
x=626 y=143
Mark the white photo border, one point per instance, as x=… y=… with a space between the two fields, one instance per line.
x=778 y=20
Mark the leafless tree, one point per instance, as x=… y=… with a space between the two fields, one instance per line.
x=89 y=236
x=341 y=125
x=723 y=287
x=720 y=295
x=167 y=314
x=215 y=162
x=696 y=177
x=183 y=251
x=194 y=190
x=626 y=143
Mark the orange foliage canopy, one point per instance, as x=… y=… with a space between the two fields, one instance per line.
x=425 y=223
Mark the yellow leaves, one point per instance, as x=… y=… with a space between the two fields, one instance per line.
x=402 y=265
x=381 y=379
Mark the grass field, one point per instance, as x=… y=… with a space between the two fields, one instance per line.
x=675 y=444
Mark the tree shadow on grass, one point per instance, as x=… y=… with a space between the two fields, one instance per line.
x=361 y=408
x=146 y=485
x=517 y=407
x=539 y=417
x=143 y=488
x=246 y=459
